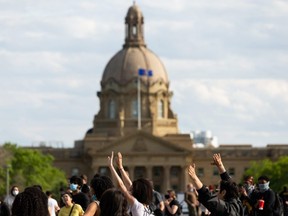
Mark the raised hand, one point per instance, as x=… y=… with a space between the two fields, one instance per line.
x=193 y=176
x=110 y=160
x=217 y=160
x=191 y=171
x=119 y=160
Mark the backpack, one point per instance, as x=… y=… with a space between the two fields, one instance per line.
x=278 y=209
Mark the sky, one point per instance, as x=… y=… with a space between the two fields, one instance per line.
x=227 y=62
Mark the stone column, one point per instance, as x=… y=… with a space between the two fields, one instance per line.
x=149 y=172
x=184 y=178
x=166 y=182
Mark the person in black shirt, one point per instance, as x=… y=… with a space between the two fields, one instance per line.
x=78 y=197
x=172 y=206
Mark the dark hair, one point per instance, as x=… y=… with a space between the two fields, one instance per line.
x=248 y=177
x=231 y=188
x=113 y=203
x=4 y=209
x=77 y=180
x=48 y=193
x=100 y=185
x=83 y=176
x=263 y=177
x=31 y=202
x=38 y=186
x=68 y=193
x=142 y=190
x=12 y=188
x=96 y=175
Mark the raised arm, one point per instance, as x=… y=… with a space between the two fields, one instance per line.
x=119 y=181
x=218 y=162
x=193 y=176
x=222 y=171
x=124 y=175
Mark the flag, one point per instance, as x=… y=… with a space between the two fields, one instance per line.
x=150 y=73
x=141 y=72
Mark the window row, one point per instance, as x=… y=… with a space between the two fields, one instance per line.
x=134 y=109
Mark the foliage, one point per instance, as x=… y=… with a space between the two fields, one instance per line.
x=277 y=171
x=31 y=167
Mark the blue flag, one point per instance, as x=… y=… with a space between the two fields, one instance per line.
x=150 y=73
x=141 y=72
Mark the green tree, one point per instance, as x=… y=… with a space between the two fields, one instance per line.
x=277 y=171
x=31 y=167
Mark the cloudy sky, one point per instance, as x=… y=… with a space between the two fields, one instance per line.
x=227 y=63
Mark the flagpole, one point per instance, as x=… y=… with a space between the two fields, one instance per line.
x=139 y=103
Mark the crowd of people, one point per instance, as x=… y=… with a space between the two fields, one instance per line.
x=121 y=196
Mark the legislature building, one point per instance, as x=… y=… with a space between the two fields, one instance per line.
x=135 y=118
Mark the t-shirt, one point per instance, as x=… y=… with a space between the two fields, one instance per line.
x=52 y=204
x=77 y=211
x=171 y=204
x=138 y=209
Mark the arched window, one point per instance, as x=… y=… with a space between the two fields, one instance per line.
x=112 y=109
x=160 y=109
x=134 y=107
x=134 y=30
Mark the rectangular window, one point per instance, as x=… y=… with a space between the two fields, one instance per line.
x=215 y=171
x=134 y=108
x=200 y=172
x=231 y=171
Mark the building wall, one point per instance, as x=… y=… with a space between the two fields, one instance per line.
x=169 y=170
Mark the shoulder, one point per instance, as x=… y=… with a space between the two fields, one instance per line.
x=137 y=208
x=175 y=202
x=78 y=207
x=54 y=201
x=92 y=207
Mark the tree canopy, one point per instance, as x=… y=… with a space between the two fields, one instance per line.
x=277 y=171
x=31 y=167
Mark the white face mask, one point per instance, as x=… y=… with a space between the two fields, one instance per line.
x=15 y=192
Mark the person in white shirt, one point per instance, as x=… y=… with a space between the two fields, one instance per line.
x=138 y=193
x=52 y=204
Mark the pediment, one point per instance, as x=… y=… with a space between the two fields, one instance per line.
x=143 y=143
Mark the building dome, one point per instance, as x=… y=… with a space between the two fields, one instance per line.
x=123 y=66
x=131 y=101
x=134 y=12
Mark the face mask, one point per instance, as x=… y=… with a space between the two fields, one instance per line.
x=73 y=187
x=249 y=188
x=15 y=192
x=264 y=187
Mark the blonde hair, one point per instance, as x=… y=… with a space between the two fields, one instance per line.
x=172 y=193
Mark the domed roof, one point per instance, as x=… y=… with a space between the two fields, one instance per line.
x=123 y=67
x=134 y=11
